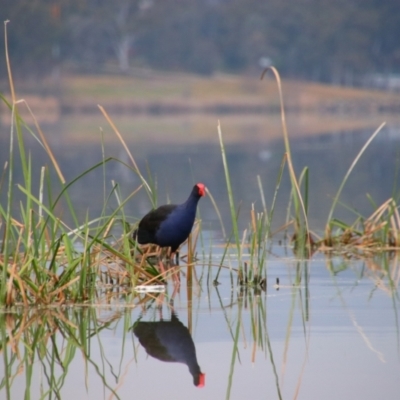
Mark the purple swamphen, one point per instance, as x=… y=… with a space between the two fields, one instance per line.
x=170 y=225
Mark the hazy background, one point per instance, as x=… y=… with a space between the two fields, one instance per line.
x=168 y=70
x=338 y=41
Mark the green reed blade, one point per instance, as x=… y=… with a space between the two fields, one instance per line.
x=353 y=164
x=230 y=196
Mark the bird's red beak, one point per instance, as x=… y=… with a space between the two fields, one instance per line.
x=202 y=189
x=202 y=380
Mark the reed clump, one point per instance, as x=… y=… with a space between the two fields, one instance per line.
x=43 y=260
x=380 y=231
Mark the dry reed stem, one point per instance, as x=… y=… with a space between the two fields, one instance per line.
x=124 y=145
x=13 y=270
x=45 y=144
x=287 y=147
x=21 y=286
x=217 y=212
x=65 y=286
x=108 y=228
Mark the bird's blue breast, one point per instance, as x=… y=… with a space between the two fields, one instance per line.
x=176 y=228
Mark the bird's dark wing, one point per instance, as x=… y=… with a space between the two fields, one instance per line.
x=151 y=222
x=146 y=332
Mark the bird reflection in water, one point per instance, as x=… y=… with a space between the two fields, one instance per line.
x=170 y=341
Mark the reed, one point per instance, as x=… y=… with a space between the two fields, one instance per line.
x=235 y=227
x=301 y=235
x=328 y=238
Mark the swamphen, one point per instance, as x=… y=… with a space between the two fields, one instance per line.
x=170 y=225
x=170 y=341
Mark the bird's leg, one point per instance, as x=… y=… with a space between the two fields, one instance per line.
x=169 y=256
x=176 y=273
x=161 y=267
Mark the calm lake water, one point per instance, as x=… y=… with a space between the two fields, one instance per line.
x=181 y=150
x=329 y=331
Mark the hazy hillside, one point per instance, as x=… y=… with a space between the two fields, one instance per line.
x=337 y=41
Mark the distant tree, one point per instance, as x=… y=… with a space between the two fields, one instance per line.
x=181 y=35
x=385 y=47
x=101 y=28
x=33 y=35
x=328 y=40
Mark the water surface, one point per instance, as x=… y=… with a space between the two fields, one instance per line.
x=330 y=330
x=178 y=151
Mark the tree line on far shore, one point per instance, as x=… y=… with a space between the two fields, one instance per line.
x=322 y=40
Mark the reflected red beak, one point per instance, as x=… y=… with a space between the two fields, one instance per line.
x=202 y=381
